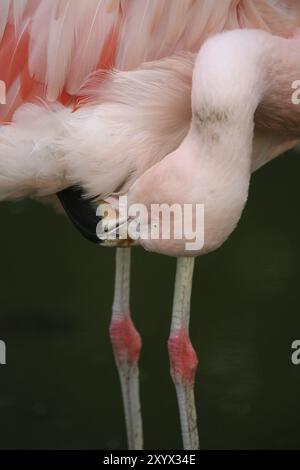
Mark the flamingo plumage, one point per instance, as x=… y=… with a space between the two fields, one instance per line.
x=104 y=96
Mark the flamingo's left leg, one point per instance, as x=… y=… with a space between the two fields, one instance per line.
x=183 y=359
x=126 y=344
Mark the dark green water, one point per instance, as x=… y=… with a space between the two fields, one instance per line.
x=60 y=388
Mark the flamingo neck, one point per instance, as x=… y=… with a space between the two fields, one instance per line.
x=229 y=81
x=234 y=73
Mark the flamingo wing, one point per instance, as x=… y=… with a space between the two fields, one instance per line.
x=49 y=47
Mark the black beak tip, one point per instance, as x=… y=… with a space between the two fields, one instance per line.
x=81 y=212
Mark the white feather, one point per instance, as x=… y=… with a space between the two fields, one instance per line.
x=95 y=26
x=4 y=11
x=63 y=27
x=38 y=44
x=18 y=11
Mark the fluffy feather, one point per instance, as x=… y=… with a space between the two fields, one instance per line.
x=69 y=39
x=143 y=115
x=127 y=125
x=131 y=119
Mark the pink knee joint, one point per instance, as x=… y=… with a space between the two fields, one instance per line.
x=183 y=358
x=125 y=339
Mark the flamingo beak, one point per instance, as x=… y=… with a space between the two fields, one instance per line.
x=81 y=212
x=112 y=230
x=96 y=220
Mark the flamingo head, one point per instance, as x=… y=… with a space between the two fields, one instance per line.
x=176 y=208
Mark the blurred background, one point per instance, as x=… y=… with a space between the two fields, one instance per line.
x=60 y=390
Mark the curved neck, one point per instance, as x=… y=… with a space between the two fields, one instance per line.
x=229 y=81
x=240 y=75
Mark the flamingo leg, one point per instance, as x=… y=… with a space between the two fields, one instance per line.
x=126 y=344
x=183 y=359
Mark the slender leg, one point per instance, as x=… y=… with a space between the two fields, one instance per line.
x=126 y=344
x=183 y=359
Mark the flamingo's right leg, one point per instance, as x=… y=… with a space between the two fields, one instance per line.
x=183 y=359
x=126 y=344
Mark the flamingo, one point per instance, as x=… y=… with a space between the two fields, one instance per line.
x=107 y=97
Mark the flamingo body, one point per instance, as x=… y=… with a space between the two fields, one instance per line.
x=115 y=96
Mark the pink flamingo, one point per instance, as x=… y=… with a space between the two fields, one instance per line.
x=126 y=130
